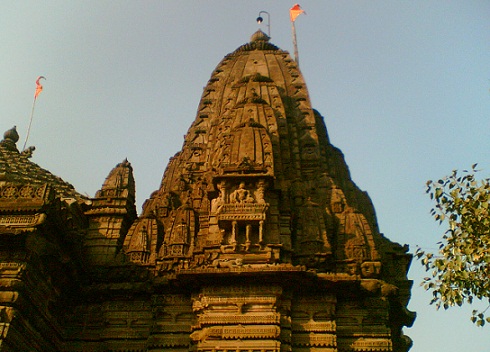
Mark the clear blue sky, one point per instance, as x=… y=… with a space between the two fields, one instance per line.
x=403 y=85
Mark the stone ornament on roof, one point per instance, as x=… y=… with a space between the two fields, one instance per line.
x=10 y=138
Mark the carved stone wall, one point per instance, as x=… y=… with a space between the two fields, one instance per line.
x=227 y=314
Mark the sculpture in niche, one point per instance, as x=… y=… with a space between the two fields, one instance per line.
x=260 y=192
x=217 y=204
x=356 y=230
x=241 y=195
x=355 y=240
x=312 y=228
x=312 y=244
x=141 y=239
x=180 y=236
x=223 y=189
x=237 y=219
x=216 y=234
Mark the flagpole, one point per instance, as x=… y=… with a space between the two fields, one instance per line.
x=294 y=12
x=39 y=89
x=295 y=44
x=30 y=123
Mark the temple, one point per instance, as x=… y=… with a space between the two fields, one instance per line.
x=256 y=241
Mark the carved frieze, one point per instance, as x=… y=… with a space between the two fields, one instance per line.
x=11 y=191
x=22 y=220
x=237 y=332
x=19 y=196
x=366 y=344
x=314 y=340
x=233 y=291
x=246 y=319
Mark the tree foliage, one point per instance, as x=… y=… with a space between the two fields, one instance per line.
x=460 y=271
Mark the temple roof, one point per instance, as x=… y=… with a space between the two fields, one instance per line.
x=15 y=166
x=256 y=170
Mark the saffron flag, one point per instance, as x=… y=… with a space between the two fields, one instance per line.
x=39 y=87
x=295 y=11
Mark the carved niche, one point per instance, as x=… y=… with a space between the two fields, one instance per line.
x=180 y=236
x=246 y=149
x=355 y=241
x=237 y=215
x=141 y=242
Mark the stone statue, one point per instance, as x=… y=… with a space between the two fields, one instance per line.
x=260 y=192
x=241 y=195
x=216 y=204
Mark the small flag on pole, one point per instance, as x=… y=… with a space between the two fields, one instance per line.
x=295 y=11
x=39 y=87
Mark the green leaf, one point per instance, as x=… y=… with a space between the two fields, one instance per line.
x=459 y=271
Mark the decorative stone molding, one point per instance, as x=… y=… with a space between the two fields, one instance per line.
x=21 y=220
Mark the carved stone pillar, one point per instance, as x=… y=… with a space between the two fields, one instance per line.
x=248 y=227
x=233 y=241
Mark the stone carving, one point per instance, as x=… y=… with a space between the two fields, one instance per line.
x=20 y=191
x=354 y=235
x=22 y=220
x=239 y=212
x=244 y=313
x=236 y=332
x=241 y=195
x=138 y=244
x=379 y=287
x=256 y=240
x=217 y=204
x=226 y=263
x=260 y=192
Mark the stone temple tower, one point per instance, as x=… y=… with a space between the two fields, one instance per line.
x=256 y=240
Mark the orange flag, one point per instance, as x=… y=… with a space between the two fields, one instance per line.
x=295 y=11
x=39 y=87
